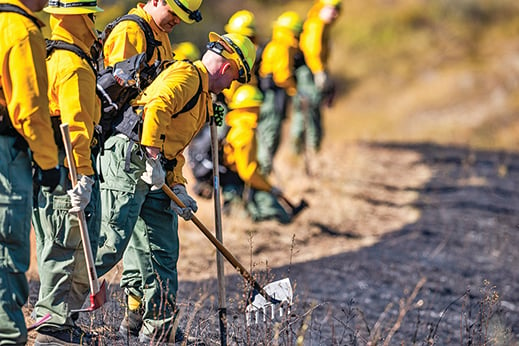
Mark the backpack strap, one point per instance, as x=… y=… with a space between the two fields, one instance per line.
x=19 y=10
x=58 y=44
x=193 y=101
x=151 y=42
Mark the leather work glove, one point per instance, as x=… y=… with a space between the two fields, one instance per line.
x=190 y=203
x=276 y=191
x=154 y=174
x=80 y=194
x=321 y=80
x=48 y=177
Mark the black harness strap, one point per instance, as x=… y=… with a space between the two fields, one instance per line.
x=151 y=42
x=58 y=44
x=193 y=101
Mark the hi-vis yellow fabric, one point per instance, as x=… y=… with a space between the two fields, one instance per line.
x=72 y=86
x=167 y=95
x=127 y=39
x=314 y=40
x=240 y=148
x=24 y=83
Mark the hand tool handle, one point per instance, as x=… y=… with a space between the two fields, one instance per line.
x=85 y=238
x=219 y=235
x=287 y=201
x=220 y=246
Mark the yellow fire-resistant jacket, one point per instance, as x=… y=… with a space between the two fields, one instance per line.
x=127 y=39
x=72 y=86
x=314 y=40
x=23 y=83
x=278 y=60
x=239 y=151
x=167 y=95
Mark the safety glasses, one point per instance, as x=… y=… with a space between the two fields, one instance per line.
x=194 y=15
x=220 y=49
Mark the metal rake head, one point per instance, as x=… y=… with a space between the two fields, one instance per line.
x=280 y=294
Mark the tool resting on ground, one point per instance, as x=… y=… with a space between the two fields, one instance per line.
x=97 y=294
x=277 y=294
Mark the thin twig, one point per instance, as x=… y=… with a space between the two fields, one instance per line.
x=404 y=309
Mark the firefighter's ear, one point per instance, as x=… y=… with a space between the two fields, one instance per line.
x=226 y=66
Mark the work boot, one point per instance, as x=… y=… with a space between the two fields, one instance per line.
x=48 y=336
x=131 y=323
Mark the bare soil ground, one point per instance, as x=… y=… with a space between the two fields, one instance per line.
x=384 y=219
x=406 y=241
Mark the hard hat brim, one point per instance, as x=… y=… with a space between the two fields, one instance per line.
x=72 y=10
x=244 y=104
x=183 y=16
x=213 y=36
x=243 y=31
x=179 y=12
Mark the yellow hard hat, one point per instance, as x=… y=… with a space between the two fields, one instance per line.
x=72 y=7
x=186 y=10
x=186 y=50
x=290 y=20
x=242 y=22
x=335 y=3
x=246 y=96
x=235 y=47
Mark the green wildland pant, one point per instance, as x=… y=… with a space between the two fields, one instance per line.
x=15 y=227
x=272 y=114
x=61 y=260
x=140 y=224
x=306 y=124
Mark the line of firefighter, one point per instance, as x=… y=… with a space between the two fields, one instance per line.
x=131 y=202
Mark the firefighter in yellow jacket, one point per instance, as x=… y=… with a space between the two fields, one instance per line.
x=240 y=158
x=72 y=99
x=173 y=108
x=277 y=80
x=242 y=22
x=313 y=78
x=127 y=39
x=24 y=124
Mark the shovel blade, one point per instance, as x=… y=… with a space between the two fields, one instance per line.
x=96 y=300
x=280 y=291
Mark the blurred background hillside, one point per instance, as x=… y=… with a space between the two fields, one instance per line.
x=404 y=67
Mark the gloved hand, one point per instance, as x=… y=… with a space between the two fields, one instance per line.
x=190 y=203
x=80 y=194
x=219 y=114
x=276 y=191
x=321 y=80
x=154 y=174
x=48 y=177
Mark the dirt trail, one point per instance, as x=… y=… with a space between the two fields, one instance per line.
x=386 y=218
x=383 y=216
x=388 y=221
